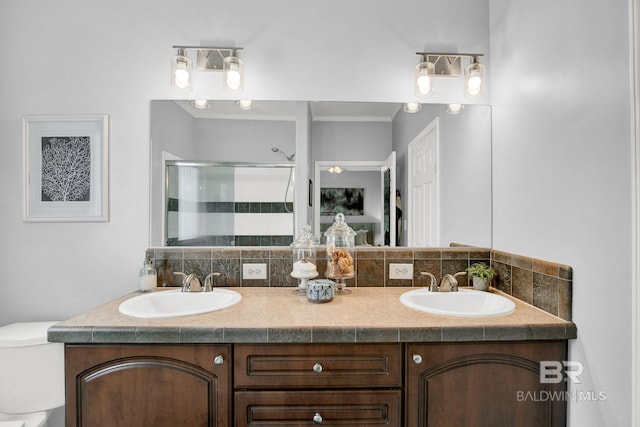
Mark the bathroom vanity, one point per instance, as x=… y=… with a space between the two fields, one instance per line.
x=275 y=359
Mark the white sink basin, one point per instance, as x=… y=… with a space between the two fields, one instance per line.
x=175 y=303
x=465 y=303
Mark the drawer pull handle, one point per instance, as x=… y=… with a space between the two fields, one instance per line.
x=417 y=359
x=317 y=418
x=317 y=368
x=218 y=360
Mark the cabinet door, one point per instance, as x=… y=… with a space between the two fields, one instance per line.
x=483 y=384
x=360 y=408
x=155 y=385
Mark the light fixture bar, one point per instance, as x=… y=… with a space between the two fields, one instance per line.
x=211 y=58
x=459 y=55
x=446 y=64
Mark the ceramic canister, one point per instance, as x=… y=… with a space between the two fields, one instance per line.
x=319 y=291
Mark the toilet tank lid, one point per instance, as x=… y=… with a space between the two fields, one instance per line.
x=24 y=334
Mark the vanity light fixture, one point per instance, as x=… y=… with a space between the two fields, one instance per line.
x=181 y=70
x=221 y=59
x=455 y=108
x=233 y=73
x=200 y=104
x=245 y=104
x=434 y=65
x=473 y=78
x=425 y=77
x=412 y=107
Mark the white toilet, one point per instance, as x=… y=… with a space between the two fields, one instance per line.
x=31 y=375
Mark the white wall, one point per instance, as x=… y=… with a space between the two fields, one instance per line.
x=562 y=174
x=88 y=56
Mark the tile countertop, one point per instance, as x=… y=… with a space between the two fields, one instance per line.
x=280 y=315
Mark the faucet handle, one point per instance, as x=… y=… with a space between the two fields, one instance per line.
x=460 y=274
x=433 y=286
x=183 y=277
x=208 y=282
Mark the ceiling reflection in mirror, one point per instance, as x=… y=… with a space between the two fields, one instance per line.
x=270 y=133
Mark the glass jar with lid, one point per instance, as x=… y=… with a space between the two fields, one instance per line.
x=304 y=249
x=340 y=252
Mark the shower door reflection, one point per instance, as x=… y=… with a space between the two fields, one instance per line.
x=223 y=204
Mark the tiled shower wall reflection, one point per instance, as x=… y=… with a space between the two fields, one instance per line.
x=543 y=284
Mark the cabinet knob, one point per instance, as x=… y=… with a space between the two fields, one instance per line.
x=317 y=418
x=417 y=359
x=218 y=360
x=317 y=368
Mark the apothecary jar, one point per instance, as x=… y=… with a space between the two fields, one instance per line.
x=304 y=248
x=340 y=252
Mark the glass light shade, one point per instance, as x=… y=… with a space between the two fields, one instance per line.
x=233 y=74
x=200 y=104
x=473 y=80
x=412 y=107
x=424 y=79
x=181 y=71
x=245 y=104
x=455 y=108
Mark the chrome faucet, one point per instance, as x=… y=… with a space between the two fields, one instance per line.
x=190 y=283
x=452 y=280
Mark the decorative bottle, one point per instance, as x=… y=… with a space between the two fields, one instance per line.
x=148 y=279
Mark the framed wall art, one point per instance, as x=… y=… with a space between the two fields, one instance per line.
x=349 y=201
x=66 y=170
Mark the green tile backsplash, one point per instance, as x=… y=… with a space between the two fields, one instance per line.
x=544 y=284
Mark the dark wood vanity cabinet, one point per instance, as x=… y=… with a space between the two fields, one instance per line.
x=489 y=384
x=148 y=385
x=318 y=384
x=483 y=384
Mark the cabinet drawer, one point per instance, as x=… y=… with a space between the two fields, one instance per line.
x=327 y=408
x=317 y=366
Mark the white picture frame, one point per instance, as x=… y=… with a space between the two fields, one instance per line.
x=66 y=168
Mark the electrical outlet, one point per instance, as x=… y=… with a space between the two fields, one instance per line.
x=401 y=271
x=254 y=271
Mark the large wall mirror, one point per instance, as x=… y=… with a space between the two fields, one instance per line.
x=442 y=174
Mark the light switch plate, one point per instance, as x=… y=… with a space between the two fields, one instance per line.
x=401 y=271
x=255 y=271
